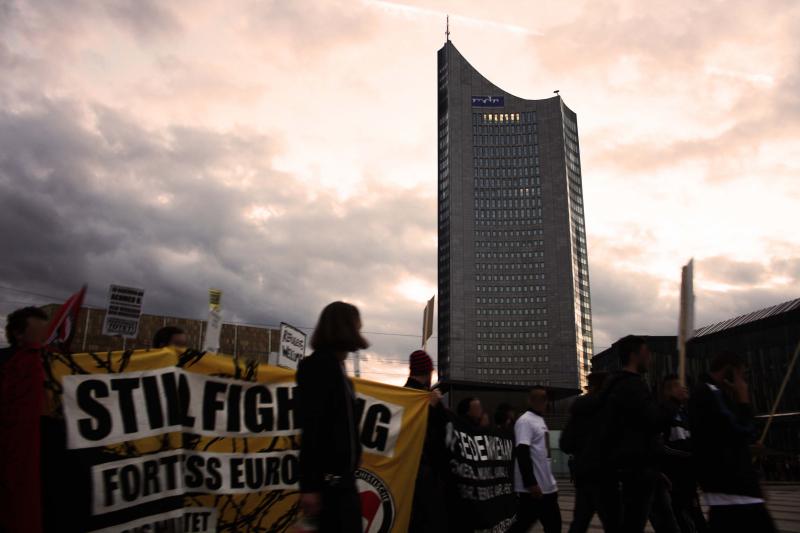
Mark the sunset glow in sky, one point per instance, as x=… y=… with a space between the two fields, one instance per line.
x=286 y=151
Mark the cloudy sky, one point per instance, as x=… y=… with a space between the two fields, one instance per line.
x=286 y=151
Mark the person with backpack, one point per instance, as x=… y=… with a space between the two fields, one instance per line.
x=573 y=441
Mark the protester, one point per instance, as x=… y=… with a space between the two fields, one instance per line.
x=427 y=508
x=471 y=410
x=330 y=449
x=721 y=421
x=504 y=417
x=21 y=406
x=574 y=439
x=170 y=336
x=675 y=505
x=621 y=454
x=536 y=488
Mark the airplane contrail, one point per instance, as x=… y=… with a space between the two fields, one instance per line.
x=471 y=21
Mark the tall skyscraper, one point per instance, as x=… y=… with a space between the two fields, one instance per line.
x=514 y=305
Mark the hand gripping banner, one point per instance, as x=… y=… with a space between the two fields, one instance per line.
x=165 y=441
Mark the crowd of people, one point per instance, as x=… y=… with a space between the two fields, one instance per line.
x=633 y=458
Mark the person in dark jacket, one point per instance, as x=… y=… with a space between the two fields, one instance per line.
x=21 y=404
x=675 y=507
x=721 y=421
x=623 y=443
x=330 y=449
x=427 y=513
x=573 y=441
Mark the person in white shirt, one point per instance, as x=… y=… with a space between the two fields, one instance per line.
x=536 y=488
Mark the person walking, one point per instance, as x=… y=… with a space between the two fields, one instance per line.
x=676 y=507
x=722 y=425
x=330 y=449
x=427 y=513
x=621 y=453
x=574 y=440
x=21 y=405
x=534 y=483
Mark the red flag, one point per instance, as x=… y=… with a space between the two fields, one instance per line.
x=62 y=327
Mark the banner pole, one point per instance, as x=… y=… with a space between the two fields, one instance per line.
x=85 y=329
x=780 y=394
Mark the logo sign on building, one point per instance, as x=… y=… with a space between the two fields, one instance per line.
x=123 y=312
x=488 y=101
x=292 y=347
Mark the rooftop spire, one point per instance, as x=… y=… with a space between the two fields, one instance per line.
x=447 y=29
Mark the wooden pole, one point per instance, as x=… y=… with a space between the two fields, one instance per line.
x=780 y=394
x=85 y=329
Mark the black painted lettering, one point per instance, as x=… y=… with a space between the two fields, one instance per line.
x=289 y=470
x=254 y=472
x=273 y=471
x=211 y=404
x=125 y=388
x=257 y=409
x=98 y=426
x=110 y=486
x=155 y=415
x=194 y=474
x=214 y=479
x=170 y=463
x=130 y=482
x=234 y=408
x=375 y=432
x=285 y=408
x=151 y=482
x=236 y=473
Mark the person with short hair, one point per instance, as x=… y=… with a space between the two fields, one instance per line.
x=534 y=483
x=722 y=425
x=622 y=450
x=574 y=439
x=21 y=407
x=170 y=336
x=471 y=410
x=330 y=448
x=427 y=513
x=675 y=506
x=504 y=417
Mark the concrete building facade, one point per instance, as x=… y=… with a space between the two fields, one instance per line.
x=243 y=340
x=514 y=302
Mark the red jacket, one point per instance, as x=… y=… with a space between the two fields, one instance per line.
x=21 y=404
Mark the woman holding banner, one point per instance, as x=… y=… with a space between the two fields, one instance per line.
x=330 y=450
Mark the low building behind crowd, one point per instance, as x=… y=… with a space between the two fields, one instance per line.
x=767 y=339
x=235 y=339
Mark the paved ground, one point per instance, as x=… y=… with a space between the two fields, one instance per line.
x=784 y=504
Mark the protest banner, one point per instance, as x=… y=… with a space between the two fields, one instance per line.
x=427 y=321
x=123 y=311
x=292 y=346
x=480 y=479
x=685 y=317
x=166 y=439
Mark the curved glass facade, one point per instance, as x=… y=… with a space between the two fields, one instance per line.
x=514 y=302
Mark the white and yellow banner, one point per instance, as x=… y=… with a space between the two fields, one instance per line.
x=194 y=441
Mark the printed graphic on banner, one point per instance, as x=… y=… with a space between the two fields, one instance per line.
x=488 y=101
x=377 y=505
x=481 y=474
x=293 y=346
x=168 y=438
x=123 y=312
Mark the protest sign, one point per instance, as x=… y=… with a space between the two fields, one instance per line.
x=163 y=437
x=123 y=312
x=292 y=347
x=480 y=478
x=214 y=324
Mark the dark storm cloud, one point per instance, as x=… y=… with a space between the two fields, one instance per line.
x=168 y=210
